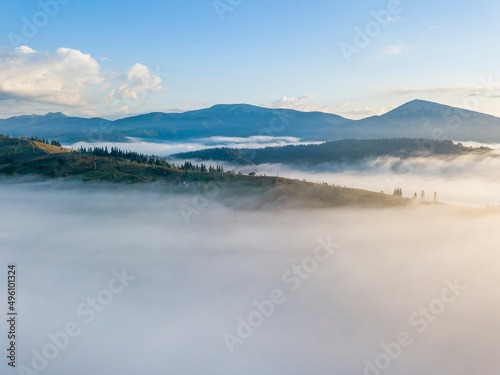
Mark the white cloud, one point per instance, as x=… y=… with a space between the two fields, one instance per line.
x=25 y=50
x=301 y=103
x=128 y=91
x=138 y=81
x=353 y=111
x=304 y=104
x=65 y=77
x=69 y=77
x=492 y=90
x=391 y=50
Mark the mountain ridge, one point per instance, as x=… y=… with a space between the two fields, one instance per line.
x=414 y=119
x=349 y=151
x=410 y=104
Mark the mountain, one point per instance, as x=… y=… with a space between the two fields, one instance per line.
x=237 y=120
x=423 y=119
x=33 y=119
x=349 y=150
x=61 y=127
x=416 y=119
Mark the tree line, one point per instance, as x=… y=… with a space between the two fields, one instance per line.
x=135 y=157
x=36 y=139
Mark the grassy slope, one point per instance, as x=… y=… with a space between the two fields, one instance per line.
x=23 y=157
x=51 y=149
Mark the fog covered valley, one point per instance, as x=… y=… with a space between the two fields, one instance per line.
x=235 y=187
x=470 y=179
x=252 y=274
x=244 y=291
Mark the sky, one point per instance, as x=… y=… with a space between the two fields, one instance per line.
x=355 y=59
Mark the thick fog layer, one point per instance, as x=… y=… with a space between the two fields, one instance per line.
x=465 y=180
x=115 y=281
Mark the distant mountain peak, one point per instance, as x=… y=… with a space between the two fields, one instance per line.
x=418 y=105
x=234 y=106
x=240 y=108
x=421 y=102
x=54 y=115
x=423 y=107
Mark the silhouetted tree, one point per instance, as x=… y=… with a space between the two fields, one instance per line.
x=435 y=198
x=398 y=192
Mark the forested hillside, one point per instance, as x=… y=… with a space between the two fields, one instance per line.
x=335 y=151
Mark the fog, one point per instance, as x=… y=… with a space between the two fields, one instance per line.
x=167 y=148
x=365 y=274
x=461 y=180
x=470 y=180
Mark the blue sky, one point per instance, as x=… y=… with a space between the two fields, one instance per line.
x=115 y=58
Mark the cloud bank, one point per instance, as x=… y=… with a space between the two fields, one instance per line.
x=186 y=285
x=471 y=180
